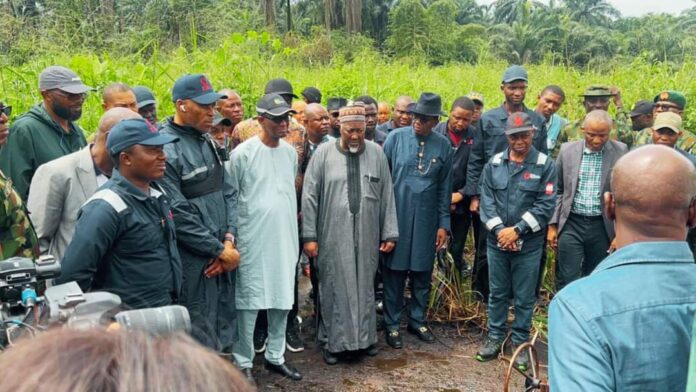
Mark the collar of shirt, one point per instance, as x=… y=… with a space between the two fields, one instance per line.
x=131 y=189
x=532 y=155
x=649 y=253
x=185 y=129
x=502 y=112
x=587 y=151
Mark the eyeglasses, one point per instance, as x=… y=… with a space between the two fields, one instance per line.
x=277 y=119
x=6 y=110
x=70 y=96
x=423 y=119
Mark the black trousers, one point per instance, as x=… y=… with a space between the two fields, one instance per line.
x=479 y=281
x=582 y=244
x=460 y=224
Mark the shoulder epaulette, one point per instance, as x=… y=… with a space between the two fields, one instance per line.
x=110 y=197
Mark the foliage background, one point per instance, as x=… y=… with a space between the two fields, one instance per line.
x=396 y=47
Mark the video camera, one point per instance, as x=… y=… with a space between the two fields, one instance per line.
x=22 y=309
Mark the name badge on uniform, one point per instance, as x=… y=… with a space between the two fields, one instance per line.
x=530 y=176
x=549 y=188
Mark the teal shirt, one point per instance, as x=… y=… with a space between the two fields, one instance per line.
x=626 y=327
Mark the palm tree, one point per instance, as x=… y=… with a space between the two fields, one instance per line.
x=509 y=11
x=591 y=12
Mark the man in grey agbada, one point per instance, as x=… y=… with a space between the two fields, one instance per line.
x=349 y=217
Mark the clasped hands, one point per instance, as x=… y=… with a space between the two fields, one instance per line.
x=227 y=261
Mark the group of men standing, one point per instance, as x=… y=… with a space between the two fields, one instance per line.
x=210 y=211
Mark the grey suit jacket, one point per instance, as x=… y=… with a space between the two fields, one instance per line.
x=568 y=166
x=57 y=191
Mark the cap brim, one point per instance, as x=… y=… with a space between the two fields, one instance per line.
x=480 y=102
x=513 y=131
x=76 y=89
x=159 y=140
x=223 y=121
x=209 y=98
x=670 y=127
x=515 y=79
x=279 y=111
x=145 y=103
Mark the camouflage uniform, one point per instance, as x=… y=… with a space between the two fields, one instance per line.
x=620 y=131
x=17 y=236
x=686 y=142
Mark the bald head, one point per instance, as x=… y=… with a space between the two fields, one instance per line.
x=317 y=122
x=231 y=107
x=401 y=116
x=596 y=128
x=654 y=195
x=119 y=95
x=111 y=118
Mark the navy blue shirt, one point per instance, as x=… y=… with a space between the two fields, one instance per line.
x=490 y=139
x=125 y=243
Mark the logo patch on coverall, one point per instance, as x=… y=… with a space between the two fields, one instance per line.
x=549 y=188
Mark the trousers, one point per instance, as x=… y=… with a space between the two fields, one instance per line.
x=513 y=273
x=394 y=284
x=243 y=348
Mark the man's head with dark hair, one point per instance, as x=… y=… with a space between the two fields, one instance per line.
x=366 y=99
x=119 y=95
x=550 y=100
x=461 y=115
x=370 y=115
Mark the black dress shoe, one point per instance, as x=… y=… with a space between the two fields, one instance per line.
x=423 y=333
x=394 y=339
x=249 y=376
x=329 y=358
x=284 y=370
x=372 y=351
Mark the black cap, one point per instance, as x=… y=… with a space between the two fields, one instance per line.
x=218 y=119
x=143 y=96
x=312 y=94
x=273 y=104
x=429 y=104
x=197 y=88
x=642 y=107
x=279 y=86
x=334 y=104
x=518 y=122
x=127 y=133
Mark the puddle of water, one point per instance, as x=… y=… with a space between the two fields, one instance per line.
x=389 y=364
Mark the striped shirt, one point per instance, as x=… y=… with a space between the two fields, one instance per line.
x=587 y=200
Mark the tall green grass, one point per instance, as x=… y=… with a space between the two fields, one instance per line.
x=246 y=61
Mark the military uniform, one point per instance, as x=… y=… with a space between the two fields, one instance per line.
x=687 y=142
x=523 y=196
x=621 y=131
x=17 y=236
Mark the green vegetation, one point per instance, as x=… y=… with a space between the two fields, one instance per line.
x=246 y=61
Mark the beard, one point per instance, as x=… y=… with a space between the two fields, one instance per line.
x=65 y=113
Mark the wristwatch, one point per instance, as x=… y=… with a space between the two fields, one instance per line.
x=517 y=230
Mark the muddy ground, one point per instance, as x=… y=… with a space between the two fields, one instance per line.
x=447 y=365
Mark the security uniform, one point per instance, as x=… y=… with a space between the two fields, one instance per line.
x=523 y=196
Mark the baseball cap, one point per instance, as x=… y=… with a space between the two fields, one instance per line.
x=597 y=90
x=334 y=104
x=312 y=94
x=218 y=119
x=476 y=97
x=675 y=97
x=196 y=87
x=518 y=122
x=273 y=104
x=279 y=86
x=57 y=77
x=642 y=107
x=144 y=96
x=515 y=72
x=127 y=133
x=668 y=120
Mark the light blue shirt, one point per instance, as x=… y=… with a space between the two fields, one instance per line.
x=627 y=326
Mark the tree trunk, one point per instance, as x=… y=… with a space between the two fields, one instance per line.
x=353 y=16
x=268 y=8
x=329 y=7
x=289 y=15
